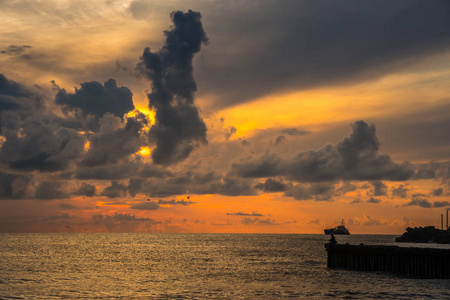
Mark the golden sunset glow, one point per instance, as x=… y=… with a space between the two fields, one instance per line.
x=289 y=126
x=87 y=146
x=145 y=151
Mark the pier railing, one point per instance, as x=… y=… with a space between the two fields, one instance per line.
x=413 y=262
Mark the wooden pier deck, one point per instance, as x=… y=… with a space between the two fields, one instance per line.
x=411 y=262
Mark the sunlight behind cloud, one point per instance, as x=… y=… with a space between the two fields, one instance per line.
x=404 y=92
x=145 y=151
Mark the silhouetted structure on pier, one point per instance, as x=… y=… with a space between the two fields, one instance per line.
x=411 y=262
x=428 y=234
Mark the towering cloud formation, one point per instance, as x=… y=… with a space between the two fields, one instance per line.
x=178 y=127
x=93 y=100
x=354 y=158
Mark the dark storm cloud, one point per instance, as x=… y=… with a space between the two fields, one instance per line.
x=427 y=171
x=231 y=186
x=134 y=186
x=123 y=170
x=346 y=187
x=271 y=186
x=49 y=190
x=146 y=206
x=86 y=189
x=114 y=142
x=33 y=140
x=379 y=188
x=422 y=201
x=189 y=183
x=11 y=88
x=115 y=190
x=12 y=186
x=419 y=200
x=67 y=206
x=437 y=192
x=150 y=170
x=433 y=170
x=420 y=136
x=441 y=204
x=15 y=103
x=400 y=191
x=304 y=44
x=354 y=158
x=178 y=128
x=96 y=99
x=42 y=147
x=314 y=191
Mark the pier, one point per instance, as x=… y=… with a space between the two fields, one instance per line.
x=410 y=262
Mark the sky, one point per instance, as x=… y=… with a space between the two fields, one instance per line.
x=224 y=116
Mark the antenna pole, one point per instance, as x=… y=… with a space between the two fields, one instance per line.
x=442 y=221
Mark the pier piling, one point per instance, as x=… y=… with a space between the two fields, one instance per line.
x=412 y=262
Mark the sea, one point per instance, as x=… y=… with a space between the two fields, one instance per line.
x=193 y=266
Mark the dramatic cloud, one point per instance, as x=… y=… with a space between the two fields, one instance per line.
x=441 y=204
x=379 y=188
x=51 y=190
x=419 y=200
x=115 y=190
x=400 y=191
x=86 y=189
x=96 y=99
x=13 y=95
x=178 y=128
x=41 y=147
x=315 y=191
x=437 y=192
x=12 y=186
x=346 y=187
x=271 y=186
x=378 y=36
x=354 y=158
x=115 y=140
x=33 y=141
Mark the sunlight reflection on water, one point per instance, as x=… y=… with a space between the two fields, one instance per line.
x=201 y=266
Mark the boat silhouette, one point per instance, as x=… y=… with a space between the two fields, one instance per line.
x=340 y=229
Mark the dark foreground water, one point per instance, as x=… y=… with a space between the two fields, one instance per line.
x=187 y=266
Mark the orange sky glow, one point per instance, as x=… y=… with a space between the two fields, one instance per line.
x=263 y=131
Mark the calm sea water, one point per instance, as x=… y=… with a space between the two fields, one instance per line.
x=192 y=266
